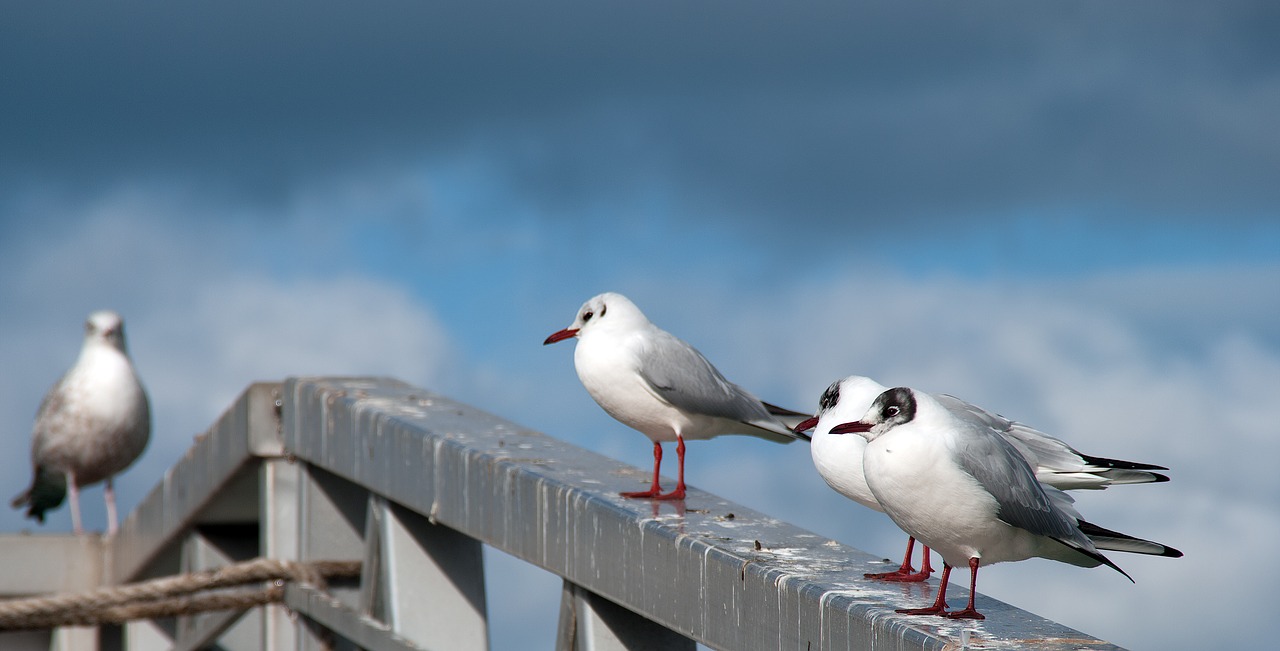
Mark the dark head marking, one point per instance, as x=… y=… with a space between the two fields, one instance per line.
x=897 y=405
x=829 y=397
x=592 y=310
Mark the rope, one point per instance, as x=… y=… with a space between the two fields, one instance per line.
x=185 y=594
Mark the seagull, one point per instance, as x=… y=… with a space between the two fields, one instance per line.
x=661 y=386
x=968 y=493
x=91 y=425
x=838 y=459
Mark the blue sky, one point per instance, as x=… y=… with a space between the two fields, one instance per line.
x=1067 y=214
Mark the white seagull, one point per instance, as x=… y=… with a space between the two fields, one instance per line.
x=661 y=386
x=839 y=458
x=91 y=425
x=968 y=493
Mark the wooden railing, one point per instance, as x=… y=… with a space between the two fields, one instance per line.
x=414 y=485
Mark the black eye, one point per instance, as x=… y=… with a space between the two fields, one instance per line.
x=892 y=411
x=586 y=316
x=603 y=309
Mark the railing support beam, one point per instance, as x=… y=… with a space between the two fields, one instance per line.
x=589 y=622
x=424 y=580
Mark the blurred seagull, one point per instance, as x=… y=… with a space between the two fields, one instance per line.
x=91 y=425
x=839 y=458
x=968 y=493
x=661 y=386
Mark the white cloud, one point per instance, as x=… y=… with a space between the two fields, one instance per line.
x=203 y=320
x=237 y=330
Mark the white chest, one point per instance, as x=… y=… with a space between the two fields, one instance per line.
x=105 y=387
x=838 y=459
x=929 y=496
x=97 y=421
x=610 y=371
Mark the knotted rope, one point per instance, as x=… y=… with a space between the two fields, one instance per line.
x=185 y=594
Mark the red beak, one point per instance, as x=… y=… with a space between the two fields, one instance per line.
x=855 y=427
x=805 y=425
x=561 y=336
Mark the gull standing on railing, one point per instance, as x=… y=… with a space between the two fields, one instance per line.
x=92 y=425
x=661 y=386
x=966 y=492
x=839 y=458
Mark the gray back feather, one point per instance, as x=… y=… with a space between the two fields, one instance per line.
x=1038 y=448
x=1052 y=459
x=1003 y=472
x=679 y=374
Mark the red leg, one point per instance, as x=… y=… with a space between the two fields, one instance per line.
x=939 y=606
x=969 y=611
x=906 y=574
x=678 y=493
x=655 y=490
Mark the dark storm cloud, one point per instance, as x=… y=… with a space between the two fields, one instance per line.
x=818 y=112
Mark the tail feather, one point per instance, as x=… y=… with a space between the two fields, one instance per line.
x=773 y=430
x=1121 y=542
x=1131 y=476
x=48 y=490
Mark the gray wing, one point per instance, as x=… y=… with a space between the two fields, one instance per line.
x=1039 y=449
x=48 y=416
x=1051 y=459
x=1002 y=471
x=679 y=374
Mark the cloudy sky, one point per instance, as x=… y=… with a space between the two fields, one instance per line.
x=1068 y=214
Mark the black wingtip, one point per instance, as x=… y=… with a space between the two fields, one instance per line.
x=1122 y=465
x=1106 y=561
x=1117 y=568
x=775 y=410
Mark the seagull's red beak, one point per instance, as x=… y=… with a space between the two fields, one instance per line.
x=561 y=336
x=856 y=427
x=805 y=425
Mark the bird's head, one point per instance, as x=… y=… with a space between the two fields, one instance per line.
x=105 y=326
x=891 y=409
x=600 y=312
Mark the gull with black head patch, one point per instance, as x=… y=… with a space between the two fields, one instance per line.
x=968 y=494
x=661 y=386
x=838 y=459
